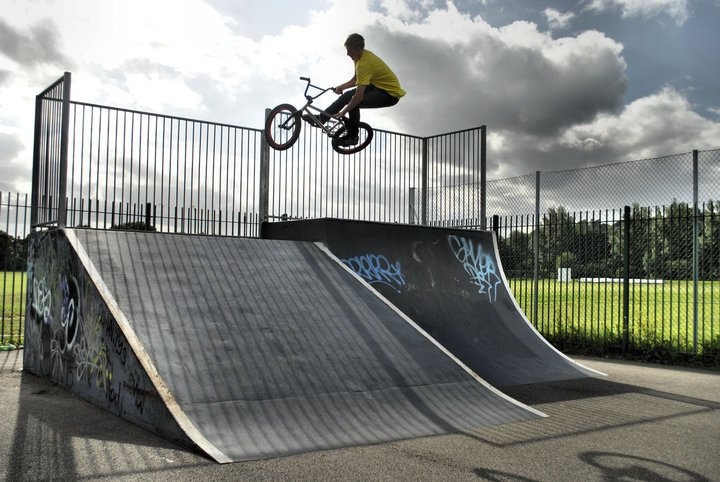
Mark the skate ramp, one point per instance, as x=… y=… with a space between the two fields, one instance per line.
x=249 y=348
x=451 y=283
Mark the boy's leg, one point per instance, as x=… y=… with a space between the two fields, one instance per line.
x=338 y=105
x=374 y=98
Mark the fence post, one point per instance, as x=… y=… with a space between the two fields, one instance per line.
x=148 y=211
x=483 y=177
x=626 y=279
x=536 y=246
x=424 y=183
x=696 y=248
x=264 y=195
x=35 y=196
x=62 y=201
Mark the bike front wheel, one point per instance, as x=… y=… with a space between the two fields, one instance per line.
x=365 y=135
x=282 y=127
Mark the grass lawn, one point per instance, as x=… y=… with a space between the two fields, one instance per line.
x=658 y=314
x=592 y=313
x=12 y=304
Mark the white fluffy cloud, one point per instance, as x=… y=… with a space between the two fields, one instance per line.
x=675 y=9
x=558 y=20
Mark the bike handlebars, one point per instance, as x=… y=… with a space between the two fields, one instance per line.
x=322 y=90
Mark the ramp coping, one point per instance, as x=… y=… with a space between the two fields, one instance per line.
x=163 y=391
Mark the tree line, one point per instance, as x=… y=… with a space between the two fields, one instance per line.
x=660 y=240
x=13 y=252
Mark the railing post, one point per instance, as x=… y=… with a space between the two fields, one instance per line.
x=626 y=280
x=264 y=195
x=536 y=248
x=483 y=177
x=148 y=216
x=696 y=249
x=424 y=184
x=62 y=204
x=35 y=196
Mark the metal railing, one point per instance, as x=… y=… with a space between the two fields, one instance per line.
x=50 y=154
x=143 y=170
x=634 y=279
x=14 y=228
x=205 y=177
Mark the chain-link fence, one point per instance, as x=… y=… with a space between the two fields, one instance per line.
x=622 y=256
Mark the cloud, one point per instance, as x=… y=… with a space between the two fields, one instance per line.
x=652 y=126
x=9 y=146
x=514 y=77
x=676 y=9
x=549 y=103
x=40 y=45
x=558 y=20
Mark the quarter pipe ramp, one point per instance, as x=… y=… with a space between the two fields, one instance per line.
x=450 y=282
x=241 y=348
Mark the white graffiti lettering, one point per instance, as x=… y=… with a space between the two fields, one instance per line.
x=42 y=300
x=480 y=266
x=70 y=308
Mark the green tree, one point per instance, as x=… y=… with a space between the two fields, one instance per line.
x=516 y=253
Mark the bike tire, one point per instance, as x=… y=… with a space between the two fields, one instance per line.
x=282 y=127
x=365 y=135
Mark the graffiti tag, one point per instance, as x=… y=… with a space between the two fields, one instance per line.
x=376 y=268
x=42 y=300
x=479 y=265
x=70 y=308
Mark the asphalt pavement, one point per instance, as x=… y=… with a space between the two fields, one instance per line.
x=641 y=422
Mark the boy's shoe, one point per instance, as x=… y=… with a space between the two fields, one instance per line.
x=347 y=141
x=314 y=121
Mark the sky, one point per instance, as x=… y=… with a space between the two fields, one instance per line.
x=559 y=84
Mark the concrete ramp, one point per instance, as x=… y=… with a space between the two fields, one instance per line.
x=451 y=283
x=242 y=348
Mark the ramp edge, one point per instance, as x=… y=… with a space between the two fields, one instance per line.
x=145 y=360
x=580 y=366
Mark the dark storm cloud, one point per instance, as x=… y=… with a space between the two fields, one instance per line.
x=534 y=89
x=39 y=46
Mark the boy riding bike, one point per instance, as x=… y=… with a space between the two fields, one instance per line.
x=375 y=86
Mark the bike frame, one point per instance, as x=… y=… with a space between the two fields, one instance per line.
x=336 y=123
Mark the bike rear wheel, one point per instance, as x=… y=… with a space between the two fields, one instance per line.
x=282 y=127
x=365 y=135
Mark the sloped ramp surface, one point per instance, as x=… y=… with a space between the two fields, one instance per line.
x=268 y=348
x=451 y=283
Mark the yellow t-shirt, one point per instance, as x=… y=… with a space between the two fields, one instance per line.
x=370 y=69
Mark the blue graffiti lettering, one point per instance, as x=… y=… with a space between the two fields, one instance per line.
x=375 y=268
x=480 y=266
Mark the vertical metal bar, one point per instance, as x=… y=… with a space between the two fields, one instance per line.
x=626 y=280
x=62 y=203
x=424 y=183
x=696 y=249
x=483 y=176
x=263 y=198
x=536 y=249
x=35 y=197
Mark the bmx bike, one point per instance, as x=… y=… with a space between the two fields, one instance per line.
x=283 y=123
